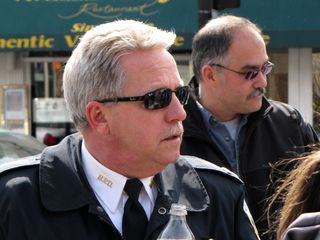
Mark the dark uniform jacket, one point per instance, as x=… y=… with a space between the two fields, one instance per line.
x=51 y=199
x=277 y=131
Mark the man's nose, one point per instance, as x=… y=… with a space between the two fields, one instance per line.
x=176 y=111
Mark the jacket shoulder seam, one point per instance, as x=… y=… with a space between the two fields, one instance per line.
x=199 y=163
x=19 y=163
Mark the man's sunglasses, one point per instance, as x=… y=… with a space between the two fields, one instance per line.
x=251 y=74
x=157 y=99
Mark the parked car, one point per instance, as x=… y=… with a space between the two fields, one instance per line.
x=15 y=145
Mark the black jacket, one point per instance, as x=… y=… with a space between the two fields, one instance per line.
x=52 y=199
x=277 y=131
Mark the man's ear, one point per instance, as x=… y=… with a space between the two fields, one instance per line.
x=96 y=117
x=208 y=74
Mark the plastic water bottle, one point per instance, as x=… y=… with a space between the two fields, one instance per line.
x=177 y=227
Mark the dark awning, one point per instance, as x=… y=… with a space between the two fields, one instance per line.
x=287 y=23
x=56 y=25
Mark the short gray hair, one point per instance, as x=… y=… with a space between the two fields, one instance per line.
x=93 y=71
x=212 y=42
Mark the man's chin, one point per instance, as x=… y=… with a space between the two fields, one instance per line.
x=255 y=108
x=174 y=157
x=252 y=108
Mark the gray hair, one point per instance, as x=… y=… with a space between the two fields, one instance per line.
x=212 y=42
x=94 y=72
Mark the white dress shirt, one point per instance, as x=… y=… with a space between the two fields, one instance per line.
x=108 y=187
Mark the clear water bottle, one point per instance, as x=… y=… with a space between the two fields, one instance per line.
x=177 y=227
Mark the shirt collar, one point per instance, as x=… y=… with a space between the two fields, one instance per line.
x=210 y=119
x=108 y=185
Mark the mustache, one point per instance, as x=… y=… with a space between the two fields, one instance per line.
x=257 y=92
x=174 y=131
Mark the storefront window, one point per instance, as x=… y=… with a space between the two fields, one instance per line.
x=50 y=118
x=47 y=79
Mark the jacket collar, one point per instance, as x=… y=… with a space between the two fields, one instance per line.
x=63 y=185
x=264 y=110
x=194 y=123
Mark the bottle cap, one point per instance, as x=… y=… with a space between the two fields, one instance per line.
x=178 y=209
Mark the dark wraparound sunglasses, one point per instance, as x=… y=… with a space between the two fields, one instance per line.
x=251 y=74
x=157 y=99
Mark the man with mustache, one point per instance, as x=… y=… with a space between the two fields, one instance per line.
x=229 y=121
x=125 y=96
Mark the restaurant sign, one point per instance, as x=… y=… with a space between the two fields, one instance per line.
x=57 y=25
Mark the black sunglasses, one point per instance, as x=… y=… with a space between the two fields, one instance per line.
x=157 y=99
x=251 y=74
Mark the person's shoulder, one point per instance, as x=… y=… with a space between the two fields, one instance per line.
x=282 y=107
x=18 y=179
x=283 y=110
x=202 y=165
x=19 y=164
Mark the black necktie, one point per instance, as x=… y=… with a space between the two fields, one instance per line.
x=134 y=221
